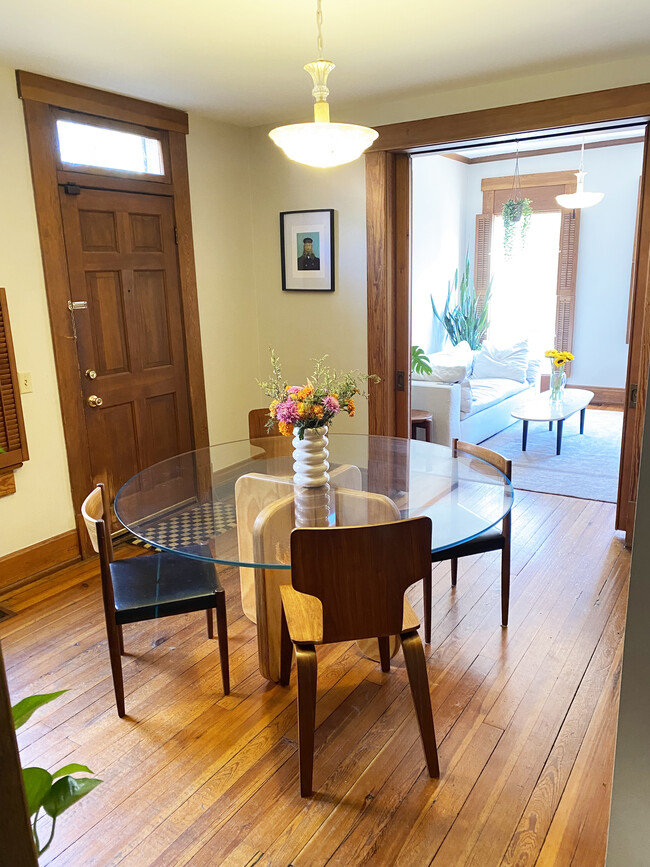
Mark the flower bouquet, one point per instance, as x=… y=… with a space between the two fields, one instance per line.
x=558 y=376
x=297 y=408
x=306 y=411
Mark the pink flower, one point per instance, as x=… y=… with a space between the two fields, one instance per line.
x=331 y=404
x=293 y=389
x=287 y=412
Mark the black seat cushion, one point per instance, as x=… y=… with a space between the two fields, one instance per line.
x=157 y=585
x=491 y=540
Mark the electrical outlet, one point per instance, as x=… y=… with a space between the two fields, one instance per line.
x=25 y=382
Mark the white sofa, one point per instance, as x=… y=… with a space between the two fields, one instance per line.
x=480 y=403
x=491 y=404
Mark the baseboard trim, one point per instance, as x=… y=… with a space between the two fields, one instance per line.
x=603 y=396
x=39 y=560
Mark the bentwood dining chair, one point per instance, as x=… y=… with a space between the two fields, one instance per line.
x=492 y=540
x=257 y=419
x=148 y=587
x=348 y=583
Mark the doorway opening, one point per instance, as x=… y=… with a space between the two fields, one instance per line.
x=563 y=284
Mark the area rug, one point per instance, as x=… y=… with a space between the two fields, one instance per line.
x=195 y=527
x=586 y=468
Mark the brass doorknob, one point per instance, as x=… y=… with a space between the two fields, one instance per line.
x=91 y=374
x=93 y=400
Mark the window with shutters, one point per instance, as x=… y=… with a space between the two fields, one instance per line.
x=12 y=428
x=537 y=285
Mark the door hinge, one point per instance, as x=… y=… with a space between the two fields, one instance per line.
x=72 y=189
x=634 y=393
x=176 y=235
x=399 y=380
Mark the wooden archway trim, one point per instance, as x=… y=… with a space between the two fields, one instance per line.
x=388 y=222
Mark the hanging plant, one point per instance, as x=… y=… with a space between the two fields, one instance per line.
x=516 y=213
x=516 y=218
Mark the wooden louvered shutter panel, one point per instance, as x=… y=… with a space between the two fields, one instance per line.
x=12 y=428
x=566 y=283
x=482 y=257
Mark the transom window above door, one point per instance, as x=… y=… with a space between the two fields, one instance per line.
x=84 y=144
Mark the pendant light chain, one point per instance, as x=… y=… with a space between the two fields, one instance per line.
x=319 y=23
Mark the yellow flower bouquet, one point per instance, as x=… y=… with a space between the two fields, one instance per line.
x=558 y=358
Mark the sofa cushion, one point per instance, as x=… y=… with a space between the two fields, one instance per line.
x=532 y=374
x=451 y=365
x=502 y=362
x=487 y=392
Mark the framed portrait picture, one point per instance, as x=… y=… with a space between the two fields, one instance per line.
x=307 y=249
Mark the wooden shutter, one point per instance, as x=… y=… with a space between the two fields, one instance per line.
x=566 y=281
x=12 y=428
x=482 y=257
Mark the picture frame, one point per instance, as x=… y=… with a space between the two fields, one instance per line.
x=307 y=250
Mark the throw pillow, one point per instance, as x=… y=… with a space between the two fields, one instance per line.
x=508 y=362
x=532 y=374
x=451 y=365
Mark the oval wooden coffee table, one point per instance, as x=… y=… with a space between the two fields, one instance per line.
x=540 y=408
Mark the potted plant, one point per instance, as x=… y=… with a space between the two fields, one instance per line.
x=516 y=214
x=464 y=321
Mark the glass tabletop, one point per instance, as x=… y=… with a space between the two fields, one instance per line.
x=540 y=407
x=236 y=503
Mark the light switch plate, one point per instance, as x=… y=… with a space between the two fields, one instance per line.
x=25 y=382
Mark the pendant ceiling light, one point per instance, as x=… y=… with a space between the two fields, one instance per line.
x=321 y=143
x=579 y=199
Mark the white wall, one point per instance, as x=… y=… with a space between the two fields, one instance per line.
x=604 y=251
x=305 y=325
x=439 y=241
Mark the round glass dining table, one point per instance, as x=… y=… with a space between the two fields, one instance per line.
x=236 y=503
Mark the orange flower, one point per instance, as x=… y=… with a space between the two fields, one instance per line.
x=272 y=407
x=317 y=410
x=286 y=428
x=305 y=392
x=350 y=408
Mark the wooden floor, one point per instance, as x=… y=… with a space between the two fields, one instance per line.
x=525 y=719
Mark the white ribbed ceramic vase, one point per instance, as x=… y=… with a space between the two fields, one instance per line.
x=310 y=464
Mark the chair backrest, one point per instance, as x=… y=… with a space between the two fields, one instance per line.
x=93 y=510
x=257 y=419
x=486 y=455
x=360 y=574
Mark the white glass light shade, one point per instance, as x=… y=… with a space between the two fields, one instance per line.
x=579 y=199
x=323 y=145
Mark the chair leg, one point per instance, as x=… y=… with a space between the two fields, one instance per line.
x=222 y=635
x=505 y=583
x=427 y=607
x=419 y=682
x=120 y=636
x=454 y=571
x=384 y=652
x=113 y=631
x=210 y=622
x=286 y=652
x=307 y=674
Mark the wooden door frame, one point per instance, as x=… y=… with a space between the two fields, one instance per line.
x=388 y=225
x=41 y=98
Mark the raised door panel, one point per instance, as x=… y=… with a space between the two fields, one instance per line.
x=150 y=301
x=113 y=432
x=107 y=318
x=98 y=231
x=146 y=233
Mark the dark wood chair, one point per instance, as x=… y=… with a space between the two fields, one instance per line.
x=492 y=540
x=257 y=419
x=151 y=586
x=348 y=583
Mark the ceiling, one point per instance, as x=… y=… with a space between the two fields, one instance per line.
x=241 y=62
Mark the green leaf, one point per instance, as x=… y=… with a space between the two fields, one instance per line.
x=37 y=783
x=419 y=360
x=66 y=792
x=71 y=769
x=25 y=708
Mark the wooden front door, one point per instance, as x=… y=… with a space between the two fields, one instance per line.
x=124 y=288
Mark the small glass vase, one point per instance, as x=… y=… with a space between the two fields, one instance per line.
x=558 y=381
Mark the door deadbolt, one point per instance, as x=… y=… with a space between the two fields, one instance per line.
x=91 y=374
x=93 y=400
